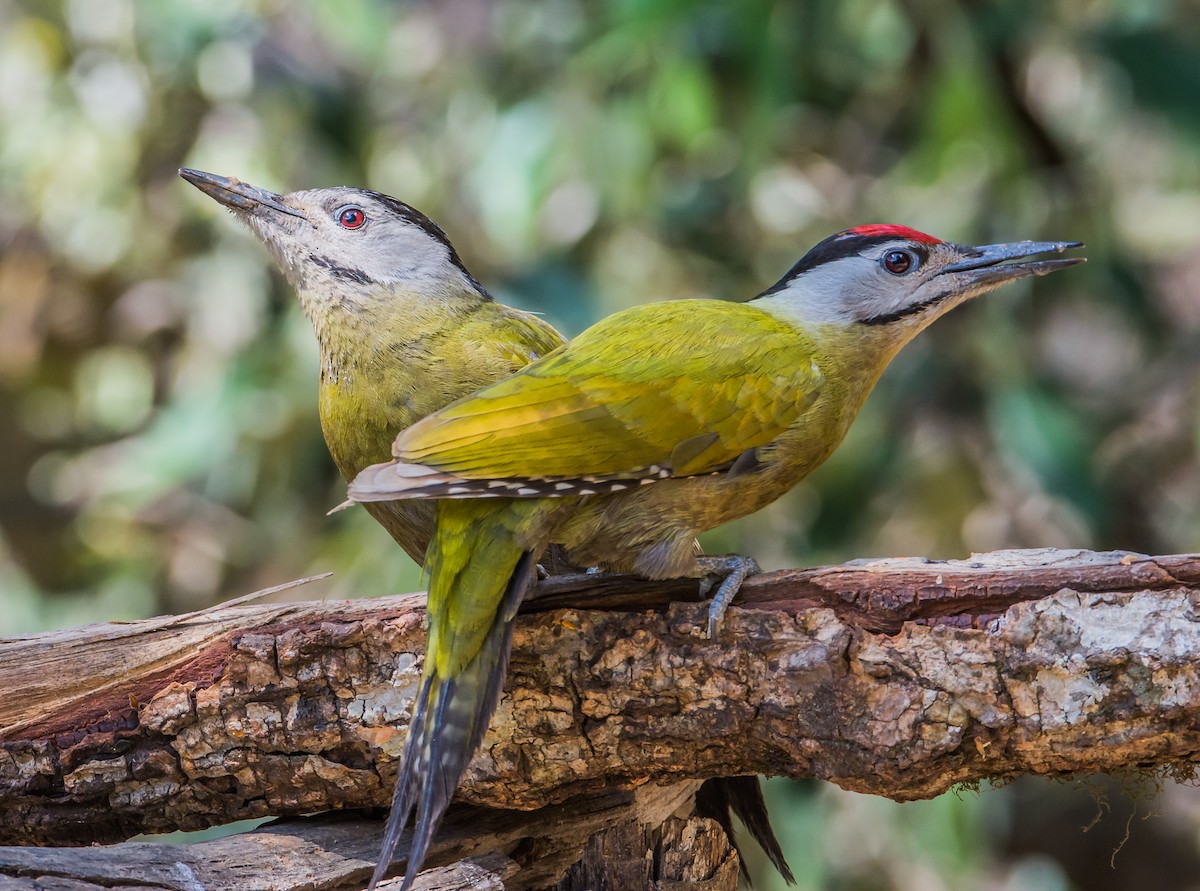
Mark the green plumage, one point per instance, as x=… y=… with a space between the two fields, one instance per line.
x=478 y=546
x=383 y=372
x=730 y=378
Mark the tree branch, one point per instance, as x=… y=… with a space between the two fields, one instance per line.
x=897 y=677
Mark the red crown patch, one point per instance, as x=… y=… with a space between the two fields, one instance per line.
x=897 y=231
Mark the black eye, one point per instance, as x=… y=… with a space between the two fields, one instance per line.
x=899 y=262
x=351 y=217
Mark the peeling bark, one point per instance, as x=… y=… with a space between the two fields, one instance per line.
x=897 y=677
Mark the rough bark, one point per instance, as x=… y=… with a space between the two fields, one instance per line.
x=897 y=677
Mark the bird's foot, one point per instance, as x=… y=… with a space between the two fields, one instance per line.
x=542 y=573
x=731 y=570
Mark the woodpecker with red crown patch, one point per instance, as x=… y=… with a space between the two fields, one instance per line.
x=656 y=424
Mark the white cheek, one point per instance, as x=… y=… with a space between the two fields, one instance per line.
x=834 y=293
x=884 y=294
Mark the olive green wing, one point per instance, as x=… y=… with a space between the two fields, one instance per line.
x=662 y=390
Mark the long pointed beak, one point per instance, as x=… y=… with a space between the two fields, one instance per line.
x=235 y=194
x=986 y=266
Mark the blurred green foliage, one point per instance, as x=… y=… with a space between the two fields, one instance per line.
x=157 y=382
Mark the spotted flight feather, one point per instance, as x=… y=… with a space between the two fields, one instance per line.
x=398 y=481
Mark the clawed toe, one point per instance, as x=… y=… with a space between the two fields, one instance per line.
x=732 y=570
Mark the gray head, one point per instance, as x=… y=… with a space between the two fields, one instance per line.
x=884 y=277
x=346 y=246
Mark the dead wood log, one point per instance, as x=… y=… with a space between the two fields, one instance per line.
x=476 y=848
x=896 y=677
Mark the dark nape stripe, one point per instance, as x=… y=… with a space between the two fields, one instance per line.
x=417 y=218
x=836 y=247
x=888 y=318
x=342 y=272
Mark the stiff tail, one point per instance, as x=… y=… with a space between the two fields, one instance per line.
x=479 y=573
x=742 y=796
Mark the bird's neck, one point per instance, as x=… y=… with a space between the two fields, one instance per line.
x=857 y=355
x=851 y=351
x=357 y=332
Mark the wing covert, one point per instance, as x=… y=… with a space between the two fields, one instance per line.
x=623 y=398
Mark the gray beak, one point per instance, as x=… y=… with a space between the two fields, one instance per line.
x=986 y=266
x=237 y=195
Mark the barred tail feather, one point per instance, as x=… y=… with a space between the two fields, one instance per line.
x=406 y=784
x=438 y=750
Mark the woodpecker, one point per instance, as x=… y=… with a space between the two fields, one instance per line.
x=655 y=424
x=403 y=328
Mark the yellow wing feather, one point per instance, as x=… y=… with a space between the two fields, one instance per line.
x=621 y=398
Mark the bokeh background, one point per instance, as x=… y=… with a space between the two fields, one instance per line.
x=157 y=416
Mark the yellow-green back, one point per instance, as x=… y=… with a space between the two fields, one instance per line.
x=622 y=397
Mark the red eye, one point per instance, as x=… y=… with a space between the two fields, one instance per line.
x=351 y=217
